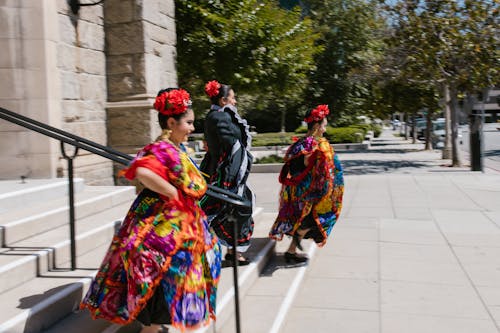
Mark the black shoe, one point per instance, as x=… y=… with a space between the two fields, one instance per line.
x=242 y=261
x=294 y=257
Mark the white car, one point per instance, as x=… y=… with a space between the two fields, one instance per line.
x=438 y=135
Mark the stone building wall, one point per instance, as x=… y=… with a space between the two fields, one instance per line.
x=29 y=85
x=94 y=74
x=81 y=65
x=140 y=39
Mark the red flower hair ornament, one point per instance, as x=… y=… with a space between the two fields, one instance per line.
x=212 y=88
x=317 y=114
x=173 y=102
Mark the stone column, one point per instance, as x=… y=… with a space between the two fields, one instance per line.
x=28 y=40
x=140 y=44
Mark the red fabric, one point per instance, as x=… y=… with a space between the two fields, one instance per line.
x=149 y=162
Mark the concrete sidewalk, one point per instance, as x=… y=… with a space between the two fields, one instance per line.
x=417 y=248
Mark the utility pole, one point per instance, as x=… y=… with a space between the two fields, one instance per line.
x=476 y=133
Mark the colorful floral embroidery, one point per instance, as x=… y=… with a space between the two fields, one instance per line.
x=167 y=242
x=315 y=190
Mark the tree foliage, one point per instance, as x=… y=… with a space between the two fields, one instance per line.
x=450 y=46
x=352 y=48
x=263 y=51
x=447 y=41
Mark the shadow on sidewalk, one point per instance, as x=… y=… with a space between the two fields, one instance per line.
x=364 y=167
x=379 y=151
x=278 y=262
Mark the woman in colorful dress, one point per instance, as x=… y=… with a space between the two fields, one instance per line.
x=226 y=164
x=312 y=188
x=163 y=265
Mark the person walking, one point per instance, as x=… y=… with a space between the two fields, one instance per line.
x=163 y=265
x=312 y=188
x=226 y=164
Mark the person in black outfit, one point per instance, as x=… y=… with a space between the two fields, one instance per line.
x=226 y=164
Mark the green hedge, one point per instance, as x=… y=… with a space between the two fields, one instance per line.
x=272 y=139
x=351 y=134
x=363 y=127
x=377 y=130
x=301 y=129
x=269 y=159
x=344 y=134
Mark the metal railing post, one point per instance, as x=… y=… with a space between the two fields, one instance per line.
x=71 y=188
x=232 y=219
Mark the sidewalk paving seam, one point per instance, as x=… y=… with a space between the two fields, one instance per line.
x=471 y=282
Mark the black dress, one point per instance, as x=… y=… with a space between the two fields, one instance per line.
x=227 y=164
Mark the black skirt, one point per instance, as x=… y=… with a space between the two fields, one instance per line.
x=156 y=310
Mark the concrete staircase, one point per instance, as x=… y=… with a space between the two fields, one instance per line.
x=265 y=300
x=39 y=293
x=37 y=288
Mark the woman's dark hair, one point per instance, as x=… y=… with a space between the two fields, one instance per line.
x=223 y=92
x=162 y=119
x=311 y=124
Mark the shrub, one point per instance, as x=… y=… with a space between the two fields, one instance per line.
x=363 y=127
x=301 y=129
x=344 y=134
x=272 y=139
x=377 y=130
x=269 y=159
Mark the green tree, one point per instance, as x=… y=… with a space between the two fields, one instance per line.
x=265 y=52
x=451 y=45
x=352 y=47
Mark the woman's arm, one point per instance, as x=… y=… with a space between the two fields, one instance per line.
x=156 y=183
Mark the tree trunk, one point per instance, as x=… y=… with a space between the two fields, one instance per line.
x=455 y=152
x=406 y=116
x=413 y=127
x=428 y=129
x=447 y=123
x=283 y=117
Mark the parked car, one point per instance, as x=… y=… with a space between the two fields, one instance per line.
x=420 y=126
x=438 y=135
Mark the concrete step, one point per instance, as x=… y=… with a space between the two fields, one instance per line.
x=17 y=193
x=33 y=219
x=259 y=252
x=265 y=305
x=40 y=302
x=54 y=294
x=31 y=257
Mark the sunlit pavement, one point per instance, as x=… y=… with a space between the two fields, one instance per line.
x=416 y=248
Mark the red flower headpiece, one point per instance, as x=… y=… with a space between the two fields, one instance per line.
x=212 y=88
x=317 y=114
x=172 y=102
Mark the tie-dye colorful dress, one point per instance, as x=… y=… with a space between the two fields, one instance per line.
x=312 y=189
x=164 y=243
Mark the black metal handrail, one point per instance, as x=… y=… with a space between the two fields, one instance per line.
x=122 y=158
x=104 y=151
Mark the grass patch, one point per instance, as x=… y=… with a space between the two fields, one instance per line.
x=273 y=139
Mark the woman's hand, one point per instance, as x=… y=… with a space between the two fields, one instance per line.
x=156 y=183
